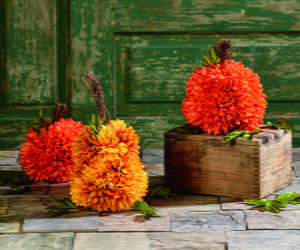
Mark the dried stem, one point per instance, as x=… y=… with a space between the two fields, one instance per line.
x=222 y=49
x=95 y=88
x=58 y=112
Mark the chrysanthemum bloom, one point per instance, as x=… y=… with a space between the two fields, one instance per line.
x=224 y=96
x=108 y=174
x=48 y=155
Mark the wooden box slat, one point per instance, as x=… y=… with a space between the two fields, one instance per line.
x=202 y=164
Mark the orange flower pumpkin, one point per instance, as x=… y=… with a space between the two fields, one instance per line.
x=46 y=155
x=224 y=95
x=108 y=174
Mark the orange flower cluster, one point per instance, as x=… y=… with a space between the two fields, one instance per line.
x=223 y=97
x=48 y=155
x=108 y=174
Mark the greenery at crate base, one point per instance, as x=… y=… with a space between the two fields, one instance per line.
x=275 y=205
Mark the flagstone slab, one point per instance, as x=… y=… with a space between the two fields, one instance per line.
x=133 y=221
x=4 y=205
x=187 y=240
x=296 y=166
x=154 y=169
x=80 y=223
x=26 y=205
x=39 y=241
x=111 y=241
x=59 y=189
x=267 y=220
x=263 y=240
x=296 y=154
x=10 y=224
x=187 y=203
x=152 y=156
x=208 y=221
x=293 y=187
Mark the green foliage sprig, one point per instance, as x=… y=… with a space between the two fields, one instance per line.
x=244 y=134
x=95 y=123
x=280 y=124
x=278 y=203
x=40 y=122
x=61 y=207
x=148 y=211
x=212 y=58
x=162 y=193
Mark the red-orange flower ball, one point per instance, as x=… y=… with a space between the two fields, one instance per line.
x=48 y=156
x=224 y=97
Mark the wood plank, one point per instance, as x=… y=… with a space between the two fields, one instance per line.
x=206 y=16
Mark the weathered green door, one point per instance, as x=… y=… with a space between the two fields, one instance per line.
x=144 y=51
x=33 y=66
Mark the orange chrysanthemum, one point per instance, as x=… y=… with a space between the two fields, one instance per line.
x=223 y=97
x=108 y=174
x=48 y=155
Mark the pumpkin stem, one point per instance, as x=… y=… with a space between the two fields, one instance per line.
x=58 y=112
x=97 y=93
x=222 y=50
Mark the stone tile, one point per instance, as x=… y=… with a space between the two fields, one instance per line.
x=152 y=156
x=228 y=203
x=263 y=239
x=26 y=205
x=78 y=223
x=111 y=241
x=133 y=221
x=58 y=241
x=9 y=154
x=62 y=189
x=154 y=169
x=10 y=224
x=190 y=240
x=296 y=154
x=187 y=203
x=296 y=166
x=209 y=221
x=293 y=187
x=4 y=205
x=267 y=220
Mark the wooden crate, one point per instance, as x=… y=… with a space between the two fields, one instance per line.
x=202 y=164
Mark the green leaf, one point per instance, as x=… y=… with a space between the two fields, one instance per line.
x=206 y=60
x=270 y=124
x=148 y=215
x=211 y=54
x=244 y=134
x=280 y=124
x=17 y=190
x=61 y=207
x=269 y=205
x=142 y=206
x=39 y=122
x=288 y=198
x=161 y=192
x=95 y=123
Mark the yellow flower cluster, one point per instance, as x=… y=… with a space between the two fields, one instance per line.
x=108 y=174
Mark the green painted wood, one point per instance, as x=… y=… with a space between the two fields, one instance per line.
x=206 y=15
x=91 y=49
x=34 y=59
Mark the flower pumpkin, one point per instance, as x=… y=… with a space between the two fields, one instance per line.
x=223 y=95
x=108 y=174
x=46 y=155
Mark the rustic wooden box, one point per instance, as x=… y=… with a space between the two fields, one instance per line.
x=202 y=164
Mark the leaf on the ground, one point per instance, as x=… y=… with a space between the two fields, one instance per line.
x=161 y=192
x=270 y=205
x=61 y=207
x=147 y=210
x=15 y=190
x=288 y=198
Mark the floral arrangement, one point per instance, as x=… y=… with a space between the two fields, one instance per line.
x=223 y=95
x=46 y=155
x=108 y=174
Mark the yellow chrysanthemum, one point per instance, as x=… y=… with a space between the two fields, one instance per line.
x=108 y=174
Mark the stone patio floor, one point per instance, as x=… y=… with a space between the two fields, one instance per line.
x=187 y=222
